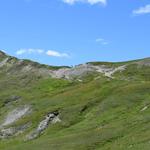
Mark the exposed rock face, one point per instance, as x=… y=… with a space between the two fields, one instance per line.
x=145 y=62
x=51 y=118
x=70 y=73
x=67 y=73
x=14 y=66
x=2 y=63
x=12 y=117
x=108 y=72
x=15 y=115
x=83 y=69
x=4 y=133
x=12 y=131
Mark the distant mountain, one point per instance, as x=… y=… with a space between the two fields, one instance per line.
x=96 y=105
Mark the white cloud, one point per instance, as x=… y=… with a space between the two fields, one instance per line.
x=101 y=41
x=29 y=51
x=56 y=54
x=51 y=53
x=91 y=2
x=20 y=52
x=142 y=10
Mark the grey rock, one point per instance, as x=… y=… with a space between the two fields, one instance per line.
x=15 y=115
x=50 y=118
x=13 y=131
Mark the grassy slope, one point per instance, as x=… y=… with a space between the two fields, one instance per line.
x=98 y=114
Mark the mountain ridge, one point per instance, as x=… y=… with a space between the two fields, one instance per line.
x=2 y=53
x=90 y=106
x=27 y=66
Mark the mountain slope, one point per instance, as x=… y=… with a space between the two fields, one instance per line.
x=97 y=105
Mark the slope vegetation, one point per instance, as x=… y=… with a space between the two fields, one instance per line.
x=84 y=108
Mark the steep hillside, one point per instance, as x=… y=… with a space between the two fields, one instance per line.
x=92 y=106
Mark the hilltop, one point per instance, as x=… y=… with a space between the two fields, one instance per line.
x=96 y=105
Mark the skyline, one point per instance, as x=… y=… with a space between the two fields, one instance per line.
x=70 y=32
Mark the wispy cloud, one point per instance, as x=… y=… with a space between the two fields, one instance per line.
x=142 y=10
x=91 y=2
x=51 y=53
x=29 y=51
x=102 y=41
x=56 y=54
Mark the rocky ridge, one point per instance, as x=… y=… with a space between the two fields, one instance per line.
x=12 y=65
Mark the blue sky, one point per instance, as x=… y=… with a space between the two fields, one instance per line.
x=69 y=32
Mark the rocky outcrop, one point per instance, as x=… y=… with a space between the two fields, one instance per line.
x=71 y=73
x=11 y=118
x=108 y=72
x=81 y=70
x=14 y=66
x=50 y=118
x=25 y=68
x=144 y=62
x=15 y=115
x=3 y=62
x=13 y=131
